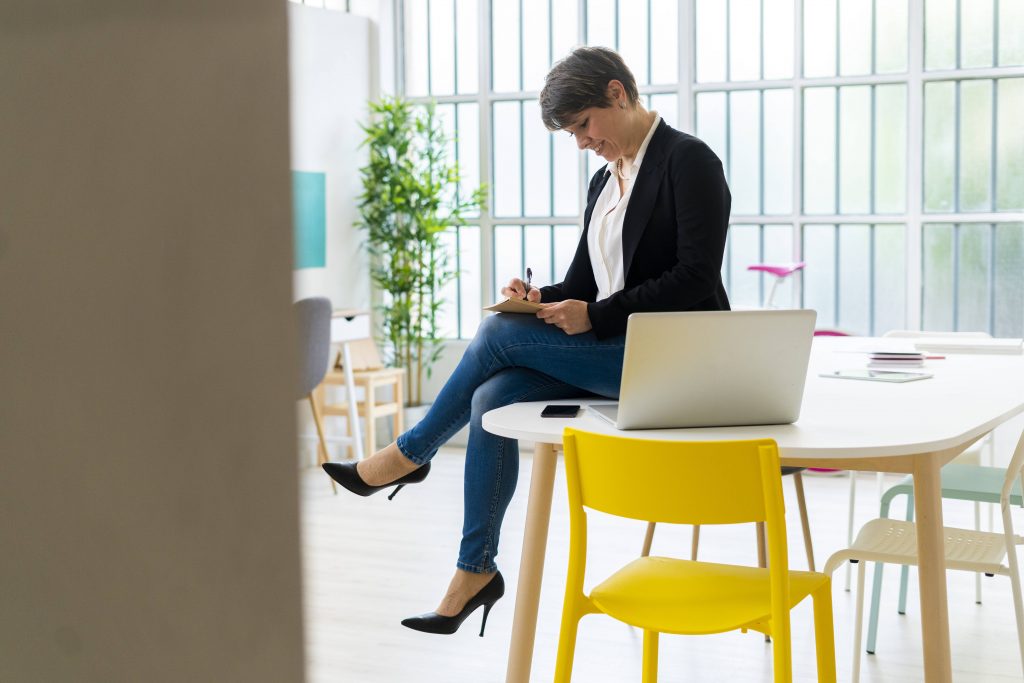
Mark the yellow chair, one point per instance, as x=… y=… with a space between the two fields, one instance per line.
x=720 y=482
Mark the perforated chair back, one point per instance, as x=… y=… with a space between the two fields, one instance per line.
x=313 y=334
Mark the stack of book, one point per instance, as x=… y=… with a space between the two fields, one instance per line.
x=985 y=345
x=895 y=360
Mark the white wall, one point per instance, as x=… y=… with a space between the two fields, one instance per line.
x=330 y=64
x=381 y=14
x=383 y=50
x=330 y=85
x=148 y=491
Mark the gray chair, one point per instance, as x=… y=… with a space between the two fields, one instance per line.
x=313 y=335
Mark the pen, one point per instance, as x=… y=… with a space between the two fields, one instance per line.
x=529 y=276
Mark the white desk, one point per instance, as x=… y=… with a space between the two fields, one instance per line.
x=913 y=428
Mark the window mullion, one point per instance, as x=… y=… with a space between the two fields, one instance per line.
x=798 y=150
x=430 y=67
x=974 y=74
x=687 y=58
x=994 y=147
x=956 y=277
x=872 y=276
x=837 y=264
x=650 y=51
x=398 y=36
x=992 y=280
x=582 y=158
x=915 y=165
x=485 y=140
x=974 y=217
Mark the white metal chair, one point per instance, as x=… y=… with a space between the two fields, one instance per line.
x=892 y=541
x=971 y=456
x=960 y=481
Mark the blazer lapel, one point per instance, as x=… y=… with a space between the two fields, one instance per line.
x=592 y=199
x=641 y=202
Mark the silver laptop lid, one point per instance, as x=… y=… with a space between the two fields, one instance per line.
x=714 y=368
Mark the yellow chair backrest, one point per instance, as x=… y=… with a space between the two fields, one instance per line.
x=679 y=482
x=705 y=482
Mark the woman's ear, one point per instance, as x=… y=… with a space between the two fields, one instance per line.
x=615 y=92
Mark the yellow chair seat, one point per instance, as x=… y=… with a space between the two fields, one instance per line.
x=684 y=597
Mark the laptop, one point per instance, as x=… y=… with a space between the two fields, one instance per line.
x=712 y=369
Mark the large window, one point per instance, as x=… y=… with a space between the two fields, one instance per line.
x=878 y=140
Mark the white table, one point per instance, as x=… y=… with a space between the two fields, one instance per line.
x=913 y=428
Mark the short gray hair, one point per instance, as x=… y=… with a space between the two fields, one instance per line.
x=580 y=81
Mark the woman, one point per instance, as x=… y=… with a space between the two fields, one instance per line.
x=653 y=238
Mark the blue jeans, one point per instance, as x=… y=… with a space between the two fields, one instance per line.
x=514 y=357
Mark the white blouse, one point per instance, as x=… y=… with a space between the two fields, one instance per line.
x=604 y=240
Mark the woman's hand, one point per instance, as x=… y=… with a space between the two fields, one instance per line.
x=570 y=316
x=516 y=289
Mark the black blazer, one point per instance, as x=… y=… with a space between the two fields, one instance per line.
x=673 y=237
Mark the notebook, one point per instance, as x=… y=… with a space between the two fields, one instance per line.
x=514 y=306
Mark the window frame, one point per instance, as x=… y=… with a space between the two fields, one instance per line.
x=686 y=90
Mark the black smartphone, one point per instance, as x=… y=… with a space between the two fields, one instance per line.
x=560 y=411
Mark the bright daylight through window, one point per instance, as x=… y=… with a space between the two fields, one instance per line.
x=877 y=140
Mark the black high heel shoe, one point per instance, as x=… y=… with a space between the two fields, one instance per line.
x=345 y=473
x=432 y=622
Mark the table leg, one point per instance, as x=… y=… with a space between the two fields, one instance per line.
x=932 y=569
x=353 y=409
x=370 y=404
x=531 y=568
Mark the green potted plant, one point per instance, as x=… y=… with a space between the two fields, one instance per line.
x=410 y=198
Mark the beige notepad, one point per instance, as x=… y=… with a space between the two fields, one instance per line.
x=514 y=306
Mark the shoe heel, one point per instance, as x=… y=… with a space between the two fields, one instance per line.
x=483 y=624
x=395 y=492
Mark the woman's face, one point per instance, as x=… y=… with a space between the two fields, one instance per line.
x=600 y=129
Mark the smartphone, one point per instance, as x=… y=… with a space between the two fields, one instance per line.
x=560 y=411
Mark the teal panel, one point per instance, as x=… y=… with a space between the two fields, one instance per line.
x=309 y=212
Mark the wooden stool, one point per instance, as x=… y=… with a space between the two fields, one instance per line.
x=368 y=407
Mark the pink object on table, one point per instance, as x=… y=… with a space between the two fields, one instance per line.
x=779 y=270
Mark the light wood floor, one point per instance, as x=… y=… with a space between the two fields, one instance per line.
x=370 y=562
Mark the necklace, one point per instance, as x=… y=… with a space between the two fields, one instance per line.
x=618 y=162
